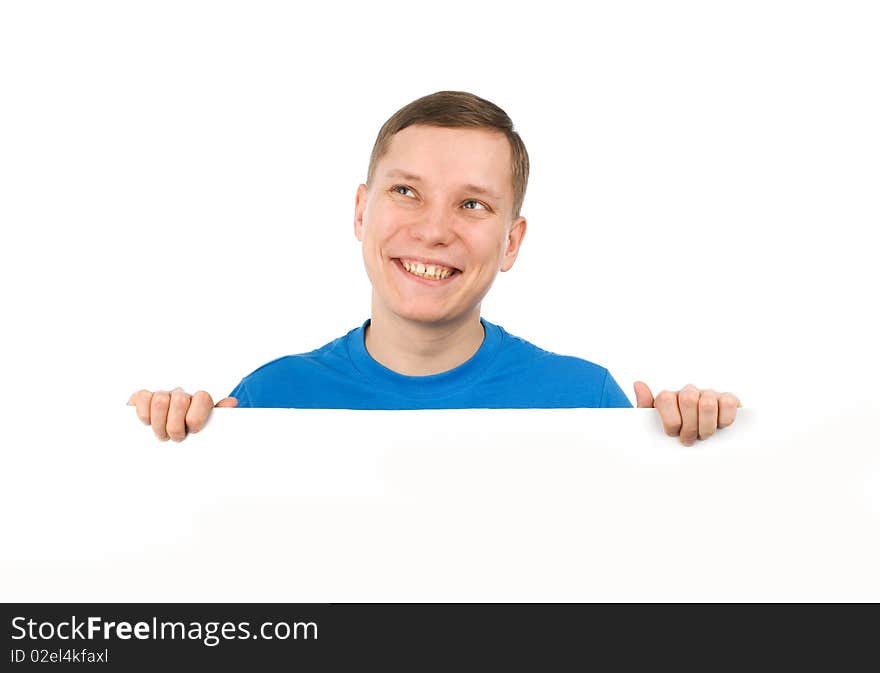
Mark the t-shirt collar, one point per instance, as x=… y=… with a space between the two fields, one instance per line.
x=433 y=384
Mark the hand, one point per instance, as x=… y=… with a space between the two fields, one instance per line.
x=690 y=413
x=173 y=415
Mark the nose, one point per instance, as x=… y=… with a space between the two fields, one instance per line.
x=434 y=227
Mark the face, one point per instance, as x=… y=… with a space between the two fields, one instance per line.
x=437 y=223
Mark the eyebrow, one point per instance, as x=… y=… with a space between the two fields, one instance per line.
x=412 y=177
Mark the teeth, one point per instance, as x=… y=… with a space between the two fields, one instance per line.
x=429 y=271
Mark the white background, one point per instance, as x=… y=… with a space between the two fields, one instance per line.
x=177 y=186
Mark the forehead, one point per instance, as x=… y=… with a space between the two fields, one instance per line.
x=451 y=156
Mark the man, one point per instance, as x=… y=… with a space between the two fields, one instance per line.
x=438 y=218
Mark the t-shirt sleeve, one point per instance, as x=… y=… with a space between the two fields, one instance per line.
x=240 y=393
x=612 y=395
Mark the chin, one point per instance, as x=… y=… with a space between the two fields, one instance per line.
x=426 y=314
x=426 y=317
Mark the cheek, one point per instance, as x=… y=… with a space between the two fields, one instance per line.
x=384 y=225
x=488 y=246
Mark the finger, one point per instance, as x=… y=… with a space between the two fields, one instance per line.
x=708 y=413
x=227 y=402
x=199 y=410
x=159 y=413
x=667 y=404
x=141 y=401
x=688 y=399
x=644 y=398
x=176 y=424
x=727 y=406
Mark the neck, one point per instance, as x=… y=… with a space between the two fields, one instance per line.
x=421 y=349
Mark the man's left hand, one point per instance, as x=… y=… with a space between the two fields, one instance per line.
x=691 y=413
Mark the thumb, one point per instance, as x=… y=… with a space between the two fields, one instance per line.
x=644 y=398
x=227 y=402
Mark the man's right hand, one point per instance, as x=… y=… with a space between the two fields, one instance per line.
x=176 y=414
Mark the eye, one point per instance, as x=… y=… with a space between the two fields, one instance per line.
x=474 y=207
x=402 y=190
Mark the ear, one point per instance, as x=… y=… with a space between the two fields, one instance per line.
x=360 y=204
x=514 y=241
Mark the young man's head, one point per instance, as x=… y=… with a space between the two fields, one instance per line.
x=439 y=215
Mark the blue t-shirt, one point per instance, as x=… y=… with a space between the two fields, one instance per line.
x=507 y=372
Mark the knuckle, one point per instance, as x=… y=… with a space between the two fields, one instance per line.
x=688 y=399
x=180 y=401
x=708 y=403
x=202 y=396
x=663 y=396
x=727 y=402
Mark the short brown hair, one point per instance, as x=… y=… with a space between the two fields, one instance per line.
x=458 y=109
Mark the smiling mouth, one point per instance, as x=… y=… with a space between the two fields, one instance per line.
x=433 y=272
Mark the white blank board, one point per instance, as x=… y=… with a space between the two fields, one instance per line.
x=462 y=505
